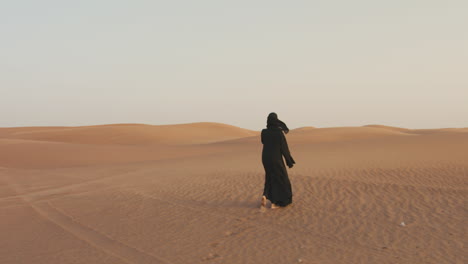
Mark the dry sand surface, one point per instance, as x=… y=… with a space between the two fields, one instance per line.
x=190 y=194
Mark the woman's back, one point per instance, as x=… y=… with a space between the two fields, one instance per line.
x=271 y=139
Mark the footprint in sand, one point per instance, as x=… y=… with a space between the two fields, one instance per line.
x=214 y=244
x=211 y=256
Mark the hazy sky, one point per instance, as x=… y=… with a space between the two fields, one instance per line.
x=315 y=63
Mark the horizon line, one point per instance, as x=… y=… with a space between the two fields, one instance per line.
x=219 y=123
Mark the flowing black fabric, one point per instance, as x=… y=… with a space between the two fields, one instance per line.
x=277 y=185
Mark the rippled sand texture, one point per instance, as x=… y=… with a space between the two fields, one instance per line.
x=190 y=194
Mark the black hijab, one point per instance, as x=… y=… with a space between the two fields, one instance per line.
x=274 y=122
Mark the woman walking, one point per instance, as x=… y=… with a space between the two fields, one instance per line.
x=277 y=185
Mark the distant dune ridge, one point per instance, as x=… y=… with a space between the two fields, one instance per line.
x=131 y=134
x=193 y=133
x=189 y=193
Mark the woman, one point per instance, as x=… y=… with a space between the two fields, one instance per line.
x=277 y=185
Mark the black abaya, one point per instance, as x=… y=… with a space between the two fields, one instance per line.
x=277 y=185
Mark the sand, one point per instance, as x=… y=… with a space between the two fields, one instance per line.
x=190 y=193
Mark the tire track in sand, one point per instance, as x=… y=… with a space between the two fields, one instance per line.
x=94 y=238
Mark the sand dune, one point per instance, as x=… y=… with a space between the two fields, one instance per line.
x=419 y=131
x=190 y=193
x=306 y=128
x=131 y=134
x=342 y=133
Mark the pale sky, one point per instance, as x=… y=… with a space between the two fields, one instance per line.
x=316 y=63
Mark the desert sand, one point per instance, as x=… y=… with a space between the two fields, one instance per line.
x=190 y=193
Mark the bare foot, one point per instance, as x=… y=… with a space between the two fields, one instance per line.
x=274 y=206
x=264 y=201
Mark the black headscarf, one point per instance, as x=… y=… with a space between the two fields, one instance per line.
x=274 y=122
